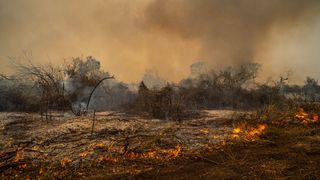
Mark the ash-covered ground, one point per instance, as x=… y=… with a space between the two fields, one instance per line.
x=29 y=139
x=217 y=145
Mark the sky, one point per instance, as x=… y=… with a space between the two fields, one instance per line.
x=130 y=37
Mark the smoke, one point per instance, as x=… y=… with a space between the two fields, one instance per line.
x=152 y=79
x=229 y=31
x=130 y=37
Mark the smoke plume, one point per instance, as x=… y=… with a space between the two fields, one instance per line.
x=228 y=31
x=131 y=36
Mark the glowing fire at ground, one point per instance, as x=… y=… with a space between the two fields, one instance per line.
x=155 y=154
x=306 y=118
x=163 y=154
x=248 y=133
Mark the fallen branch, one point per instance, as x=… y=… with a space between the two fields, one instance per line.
x=208 y=160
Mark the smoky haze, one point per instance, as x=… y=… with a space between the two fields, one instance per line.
x=228 y=30
x=131 y=36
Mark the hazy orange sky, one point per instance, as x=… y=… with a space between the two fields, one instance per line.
x=131 y=36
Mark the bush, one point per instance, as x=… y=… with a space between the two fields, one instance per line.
x=164 y=103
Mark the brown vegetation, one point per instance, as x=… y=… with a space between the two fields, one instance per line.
x=163 y=103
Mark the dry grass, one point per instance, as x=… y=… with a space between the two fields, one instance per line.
x=125 y=144
x=132 y=147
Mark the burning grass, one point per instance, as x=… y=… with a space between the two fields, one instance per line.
x=306 y=118
x=118 y=143
x=247 y=133
x=123 y=146
x=161 y=154
x=283 y=152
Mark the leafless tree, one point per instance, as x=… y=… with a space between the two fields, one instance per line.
x=46 y=79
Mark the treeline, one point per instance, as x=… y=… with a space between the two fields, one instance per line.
x=68 y=86
x=232 y=87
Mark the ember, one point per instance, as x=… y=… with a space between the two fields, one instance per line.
x=83 y=154
x=103 y=158
x=204 y=131
x=23 y=166
x=19 y=155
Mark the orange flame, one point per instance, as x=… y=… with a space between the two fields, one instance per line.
x=153 y=154
x=237 y=130
x=315 y=118
x=175 y=153
x=249 y=134
x=306 y=118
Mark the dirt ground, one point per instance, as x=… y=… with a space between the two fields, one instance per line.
x=121 y=146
